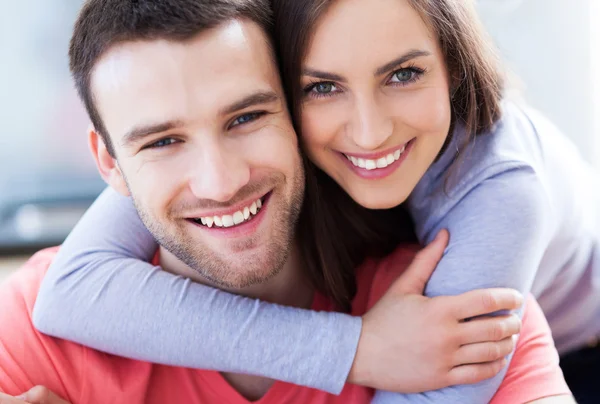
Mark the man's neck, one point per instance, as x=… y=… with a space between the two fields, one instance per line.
x=290 y=287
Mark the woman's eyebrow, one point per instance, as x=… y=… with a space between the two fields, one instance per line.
x=411 y=54
x=322 y=75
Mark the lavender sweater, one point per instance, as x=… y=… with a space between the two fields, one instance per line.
x=523 y=212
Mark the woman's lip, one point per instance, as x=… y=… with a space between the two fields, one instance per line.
x=378 y=173
x=378 y=155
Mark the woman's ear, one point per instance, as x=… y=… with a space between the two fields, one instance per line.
x=107 y=164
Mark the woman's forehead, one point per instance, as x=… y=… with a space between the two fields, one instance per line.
x=369 y=30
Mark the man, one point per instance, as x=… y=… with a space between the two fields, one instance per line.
x=210 y=140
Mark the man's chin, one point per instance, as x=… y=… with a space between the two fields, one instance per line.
x=239 y=279
x=248 y=266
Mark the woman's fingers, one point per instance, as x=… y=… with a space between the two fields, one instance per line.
x=470 y=374
x=485 y=352
x=489 y=329
x=484 y=301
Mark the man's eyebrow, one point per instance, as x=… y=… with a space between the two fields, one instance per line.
x=322 y=75
x=260 y=97
x=415 y=53
x=140 y=132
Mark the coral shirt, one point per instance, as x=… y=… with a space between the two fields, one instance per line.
x=83 y=375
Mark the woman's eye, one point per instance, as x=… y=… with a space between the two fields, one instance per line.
x=324 y=88
x=403 y=76
x=162 y=143
x=242 y=119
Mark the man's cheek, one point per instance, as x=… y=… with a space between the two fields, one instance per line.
x=275 y=151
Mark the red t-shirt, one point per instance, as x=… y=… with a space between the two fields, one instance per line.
x=83 y=375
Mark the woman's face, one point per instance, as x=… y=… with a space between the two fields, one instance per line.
x=376 y=103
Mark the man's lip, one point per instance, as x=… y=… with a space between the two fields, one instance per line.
x=231 y=210
x=377 y=155
x=243 y=229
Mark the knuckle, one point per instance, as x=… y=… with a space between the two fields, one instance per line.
x=498 y=331
x=493 y=352
x=489 y=301
x=474 y=374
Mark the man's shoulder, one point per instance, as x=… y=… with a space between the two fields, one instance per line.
x=29 y=358
x=25 y=354
x=20 y=290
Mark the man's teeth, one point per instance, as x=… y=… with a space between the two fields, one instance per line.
x=238 y=217
x=382 y=162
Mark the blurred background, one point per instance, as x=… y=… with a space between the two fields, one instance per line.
x=48 y=180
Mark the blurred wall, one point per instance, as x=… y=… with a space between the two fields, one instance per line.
x=549 y=45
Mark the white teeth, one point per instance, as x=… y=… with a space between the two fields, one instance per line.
x=233 y=220
x=381 y=162
x=227 y=220
x=238 y=217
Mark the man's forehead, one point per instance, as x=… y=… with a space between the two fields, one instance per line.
x=160 y=77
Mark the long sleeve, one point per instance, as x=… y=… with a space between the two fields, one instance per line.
x=101 y=292
x=498 y=234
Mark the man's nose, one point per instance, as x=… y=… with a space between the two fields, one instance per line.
x=218 y=175
x=370 y=126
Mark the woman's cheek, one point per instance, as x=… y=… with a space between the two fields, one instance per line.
x=428 y=110
x=321 y=126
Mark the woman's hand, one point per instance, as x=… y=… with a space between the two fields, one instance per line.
x=410 y=343
x=37 y=395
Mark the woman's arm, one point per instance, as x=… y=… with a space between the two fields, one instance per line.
x=100 y=294
x=498 y=235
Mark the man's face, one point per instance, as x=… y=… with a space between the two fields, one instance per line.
x=203 y=139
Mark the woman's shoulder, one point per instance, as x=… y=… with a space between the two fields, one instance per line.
x=506 y=164
x=513 y=144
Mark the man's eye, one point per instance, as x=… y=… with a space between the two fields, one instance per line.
x=242 y=119
x=162 y=143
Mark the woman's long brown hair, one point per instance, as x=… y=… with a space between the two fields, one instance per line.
x=339 y=233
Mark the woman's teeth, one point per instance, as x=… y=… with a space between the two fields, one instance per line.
x=382 y=162
x=238 y=217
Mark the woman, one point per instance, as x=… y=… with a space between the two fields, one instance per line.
x=385 y=119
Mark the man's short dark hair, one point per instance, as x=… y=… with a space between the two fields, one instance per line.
x=104 y=23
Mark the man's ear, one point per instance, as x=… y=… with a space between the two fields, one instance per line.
x=107 y=165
